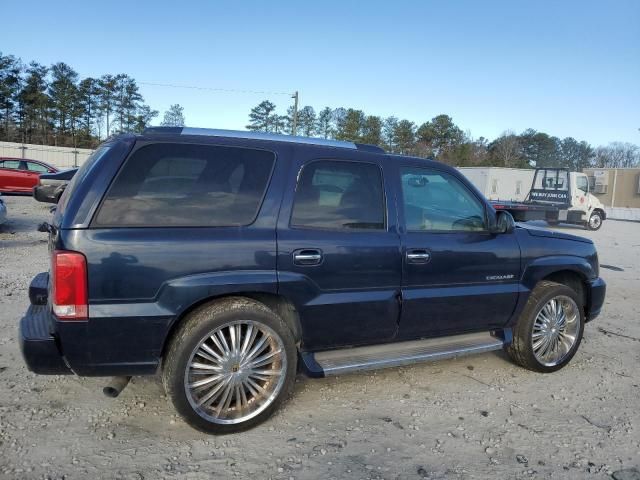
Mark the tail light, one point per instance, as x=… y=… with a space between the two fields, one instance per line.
x=69 y=285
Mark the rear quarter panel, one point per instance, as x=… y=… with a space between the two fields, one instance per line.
x=142 y=280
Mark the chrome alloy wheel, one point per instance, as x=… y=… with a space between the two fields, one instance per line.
x=595 y=221
x=235 y=372
x=555 y=330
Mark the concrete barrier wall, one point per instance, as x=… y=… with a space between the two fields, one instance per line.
x=61 y=157
x=619 y=213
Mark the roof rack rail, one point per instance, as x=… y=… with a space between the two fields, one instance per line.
x=276 y=137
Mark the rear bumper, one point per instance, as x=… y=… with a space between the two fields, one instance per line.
x=39 y=347
x=596 y=296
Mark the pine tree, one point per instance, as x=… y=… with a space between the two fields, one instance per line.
x=107 y=87
x=440 y=135
x=143 y=118
x=127 y=101
x=389 y=127
x=372 y=130
x=174 y=117
x=34 y=105
x=307 y=121
x=352 y=125
x=10 y=69
x=261 y=117
x=405 y=136
x=324 y=127
x=88 y=92
x=63 y=91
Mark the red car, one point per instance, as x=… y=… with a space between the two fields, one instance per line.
x=19 y=175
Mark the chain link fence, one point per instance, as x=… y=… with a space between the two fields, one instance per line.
x=61 y=157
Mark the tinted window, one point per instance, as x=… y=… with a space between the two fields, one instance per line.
x=10 y=164
x=335 y=194
x=437 y=201
x=36 y=167
x=187 y=185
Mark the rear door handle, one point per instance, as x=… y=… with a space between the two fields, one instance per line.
x=307 y=256
x=418 y=255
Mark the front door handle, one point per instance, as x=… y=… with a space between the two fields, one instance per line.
x=307 y=256
x=418 y=255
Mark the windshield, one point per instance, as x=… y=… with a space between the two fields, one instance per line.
x=551 y=179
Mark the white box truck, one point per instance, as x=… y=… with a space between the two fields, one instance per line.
x=551 y=194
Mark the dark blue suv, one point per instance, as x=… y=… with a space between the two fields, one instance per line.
x=228 y=260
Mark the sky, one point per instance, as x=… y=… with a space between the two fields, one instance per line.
x=568 y=68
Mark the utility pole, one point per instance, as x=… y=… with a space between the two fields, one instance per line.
x=294 y=124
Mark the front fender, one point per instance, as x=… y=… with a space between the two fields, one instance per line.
x=541 y=267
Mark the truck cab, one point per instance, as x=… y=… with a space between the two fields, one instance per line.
x=568 y=192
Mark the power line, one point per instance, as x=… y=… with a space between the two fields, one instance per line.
x=228 y=90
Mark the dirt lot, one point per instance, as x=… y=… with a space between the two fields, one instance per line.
x=474 y=417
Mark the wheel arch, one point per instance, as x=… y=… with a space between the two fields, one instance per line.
x=572 y=271
x=280 y=305
x=572 y=279
x=601 y=211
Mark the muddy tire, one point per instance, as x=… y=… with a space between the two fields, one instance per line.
x=549 y=330
x=229 y=365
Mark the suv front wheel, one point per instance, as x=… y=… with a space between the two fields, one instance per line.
x=229 y=365
x=549 y=330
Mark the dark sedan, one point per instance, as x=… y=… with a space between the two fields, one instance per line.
x=51 y=185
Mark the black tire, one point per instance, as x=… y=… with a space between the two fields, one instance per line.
x=195 y=329
x=595 y=221
x=521 y=349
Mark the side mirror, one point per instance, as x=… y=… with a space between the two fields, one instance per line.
x=504 y=223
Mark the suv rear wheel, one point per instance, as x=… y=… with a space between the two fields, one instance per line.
x=230 y=365
x=549 y=330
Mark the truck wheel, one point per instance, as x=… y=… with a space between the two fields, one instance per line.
x=595 y=221
x=549 y=330
x=229 y=365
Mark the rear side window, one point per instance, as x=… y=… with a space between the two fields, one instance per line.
x=187 y=186
x=10 y=164
x=339 y=195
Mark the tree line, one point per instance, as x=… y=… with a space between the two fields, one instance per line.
x=52 y=105
x=441 y=139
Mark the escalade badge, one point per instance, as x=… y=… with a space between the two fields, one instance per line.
x=500 y=277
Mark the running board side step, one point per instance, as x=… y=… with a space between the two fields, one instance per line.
x=347 y=360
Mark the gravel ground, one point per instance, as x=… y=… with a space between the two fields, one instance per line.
x=474 y=417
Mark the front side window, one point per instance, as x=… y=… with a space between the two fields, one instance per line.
x=438 y=201
x=339 y=195
x=36 y=167
x=188 y=186
x=582 y=183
